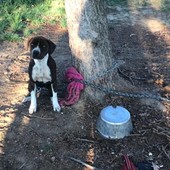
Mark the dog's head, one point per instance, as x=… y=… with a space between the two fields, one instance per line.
x=40 y=46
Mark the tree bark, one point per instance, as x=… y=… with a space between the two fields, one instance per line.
x=90 y=46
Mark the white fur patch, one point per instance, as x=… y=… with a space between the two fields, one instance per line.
x=36 y=49
x=54 y=99
x=33 y=105
x=41 y=71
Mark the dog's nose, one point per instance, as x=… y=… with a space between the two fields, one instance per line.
x=35 y=52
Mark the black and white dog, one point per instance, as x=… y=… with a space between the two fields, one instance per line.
x=42 y=70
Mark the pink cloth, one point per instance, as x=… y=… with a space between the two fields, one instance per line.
x=128 y=164
x=74 y=87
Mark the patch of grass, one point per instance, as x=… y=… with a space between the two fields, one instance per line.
x=20 y=18
x=11 y=36
x=165 y=6
x=63 y=22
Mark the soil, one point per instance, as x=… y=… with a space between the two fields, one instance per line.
x=47 y=140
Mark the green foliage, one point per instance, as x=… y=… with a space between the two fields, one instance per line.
x=11 y=36
x=63 y=22
x=166 y=6
x=20 y=18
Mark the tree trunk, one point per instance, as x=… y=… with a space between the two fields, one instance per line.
x=89 y=43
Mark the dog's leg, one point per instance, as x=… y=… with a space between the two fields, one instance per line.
x=33 y=105
x=50 y=91
x=54 y=99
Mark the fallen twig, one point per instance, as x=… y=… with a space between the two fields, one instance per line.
x=161 y=133
x=166 y=130
x=34 y=116
x=138 y=134
x=84 y=164
x=162 y=150
x=34 y=131
x=128 y=77
x=165 y=153
x=85 y=140
x=22 y=165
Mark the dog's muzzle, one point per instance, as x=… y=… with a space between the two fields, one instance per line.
x=35 y=54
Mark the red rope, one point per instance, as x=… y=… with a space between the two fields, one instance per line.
x=74 y=87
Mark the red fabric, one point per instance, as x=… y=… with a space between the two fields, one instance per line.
x=128 y=164
x=74 y=87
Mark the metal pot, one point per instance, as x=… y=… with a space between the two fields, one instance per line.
x=114 y=123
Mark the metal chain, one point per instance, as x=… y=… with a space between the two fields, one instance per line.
x=126 y=94
x=115 y=65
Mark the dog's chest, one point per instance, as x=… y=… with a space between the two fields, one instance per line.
x=41 y=71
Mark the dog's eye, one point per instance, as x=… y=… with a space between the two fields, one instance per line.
x=32 y=45
x=44 y=46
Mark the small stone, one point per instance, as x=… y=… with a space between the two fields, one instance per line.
x=53 y=158
x=110 y=17
x=166 y=89
x=150 y=154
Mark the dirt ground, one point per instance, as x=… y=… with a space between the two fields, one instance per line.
x=47 y=140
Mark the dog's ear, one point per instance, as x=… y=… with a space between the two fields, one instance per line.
x=52 y=46
x=27 y=45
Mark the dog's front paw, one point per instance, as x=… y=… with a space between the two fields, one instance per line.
x=56 y=106
x=32 y=109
